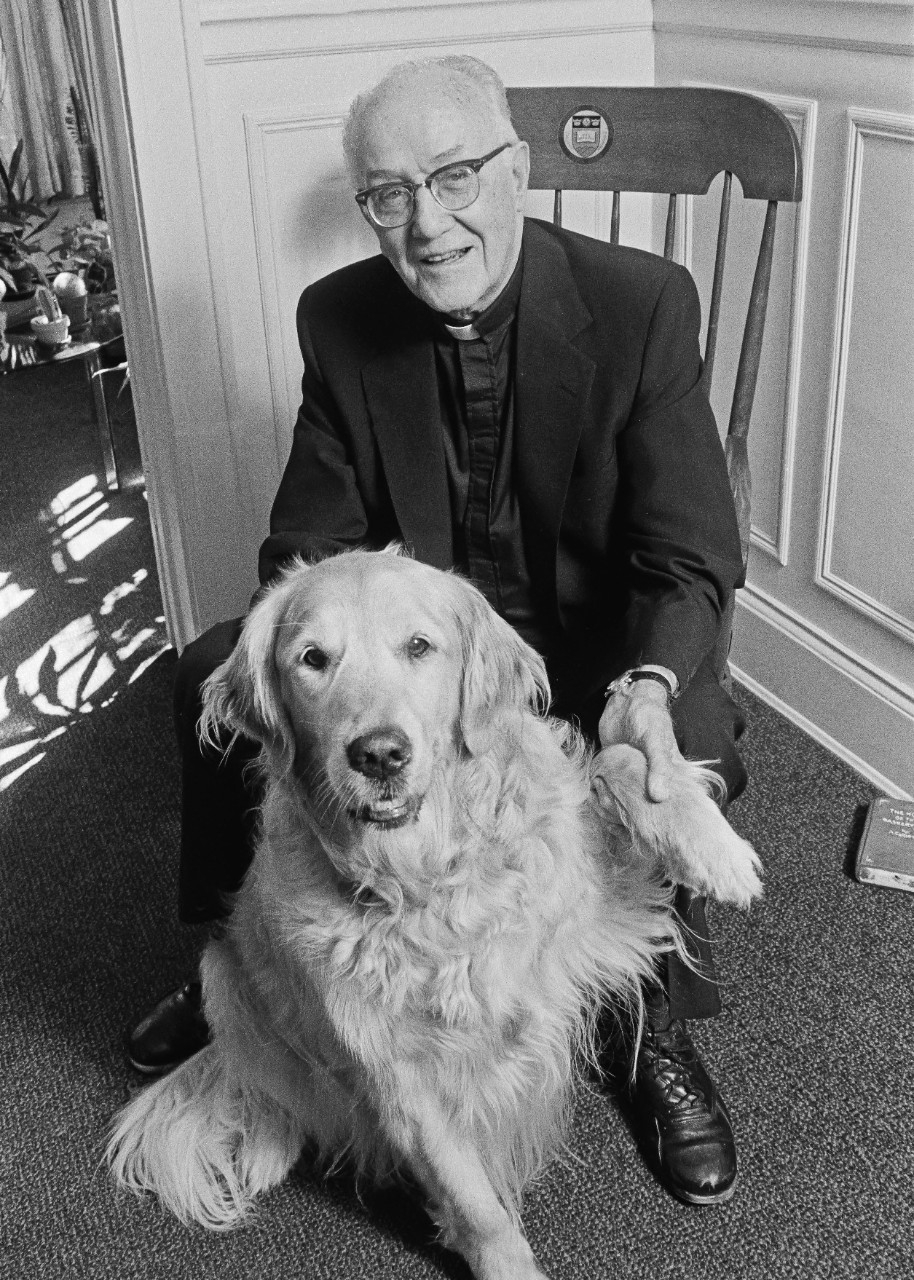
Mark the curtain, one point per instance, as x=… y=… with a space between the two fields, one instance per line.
x=37 y=74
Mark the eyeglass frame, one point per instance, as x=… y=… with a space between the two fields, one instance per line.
x=362 y=197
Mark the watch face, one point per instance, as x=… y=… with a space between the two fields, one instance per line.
x=628 y=678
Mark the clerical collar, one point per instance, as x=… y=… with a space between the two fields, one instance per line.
x=497 y=313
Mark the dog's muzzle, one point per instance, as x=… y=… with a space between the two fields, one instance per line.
x=382 y=755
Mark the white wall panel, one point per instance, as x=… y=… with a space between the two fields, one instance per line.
x=277 y=83
x=228 y=196
x=823 y=627
x=303 y=227
x=271 y=29
x=232 y=117
x=867 y=552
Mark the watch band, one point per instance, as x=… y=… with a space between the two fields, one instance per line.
x=643 y=673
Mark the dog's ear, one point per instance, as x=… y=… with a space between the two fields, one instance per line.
x=500 y=672
x=243 y=694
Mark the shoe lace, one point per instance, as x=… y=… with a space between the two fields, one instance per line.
x=668 y=1058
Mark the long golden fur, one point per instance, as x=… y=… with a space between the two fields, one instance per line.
x=439 y=903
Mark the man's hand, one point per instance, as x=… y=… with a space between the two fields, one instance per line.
x=640 y=716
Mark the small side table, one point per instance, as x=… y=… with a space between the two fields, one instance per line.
x=88 y=352
x=32 y=357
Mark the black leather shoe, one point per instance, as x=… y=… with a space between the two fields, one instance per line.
x=173 y=1031
x=683 y=1116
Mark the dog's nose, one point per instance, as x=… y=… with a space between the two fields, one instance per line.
x=380 y=754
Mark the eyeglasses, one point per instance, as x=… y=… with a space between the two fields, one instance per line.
x=454 y=186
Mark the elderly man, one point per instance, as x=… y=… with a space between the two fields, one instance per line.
x=524 y=404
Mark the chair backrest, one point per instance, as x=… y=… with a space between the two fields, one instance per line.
x=675 y=142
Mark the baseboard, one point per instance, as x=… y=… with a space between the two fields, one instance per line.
x=885 y=785
x=861 y=713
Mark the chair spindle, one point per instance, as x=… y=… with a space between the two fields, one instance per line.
x=614 y=221
x=747 y=370
x=717 y=285
x=736 y=448
x=557 y=208
x=670 y=237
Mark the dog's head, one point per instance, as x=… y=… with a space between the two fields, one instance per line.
x=365 y=674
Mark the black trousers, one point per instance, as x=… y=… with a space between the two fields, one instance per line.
x=220 y=799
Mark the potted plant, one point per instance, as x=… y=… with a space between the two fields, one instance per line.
x=21 y=225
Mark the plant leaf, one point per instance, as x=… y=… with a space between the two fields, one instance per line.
x=34 y=231
x=10 y=193
x=14 y=162
x=36 y=267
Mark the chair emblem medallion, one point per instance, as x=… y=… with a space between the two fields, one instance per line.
x=586 y=134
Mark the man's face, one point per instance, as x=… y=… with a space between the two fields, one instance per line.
x=454 y=261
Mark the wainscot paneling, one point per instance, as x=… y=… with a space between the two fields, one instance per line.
x=227 y=195
x=867 y=534
x=824 y=626
x=231 y=117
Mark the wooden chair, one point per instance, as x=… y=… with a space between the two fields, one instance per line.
x=675 y=142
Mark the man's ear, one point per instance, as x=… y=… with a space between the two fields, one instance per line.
x=520 y=165
x=501 y=673
x=243 y=694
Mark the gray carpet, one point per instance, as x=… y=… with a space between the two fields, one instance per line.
x=813 y=1051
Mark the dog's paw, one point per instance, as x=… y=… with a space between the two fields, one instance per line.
x=716 y=861
x=505 y=1260
x=687 y=833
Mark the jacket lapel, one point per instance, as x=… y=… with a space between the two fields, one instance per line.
x=552 y=385
x=401 y=391
x=553 y=382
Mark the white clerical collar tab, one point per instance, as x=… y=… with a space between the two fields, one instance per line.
x=462 y=332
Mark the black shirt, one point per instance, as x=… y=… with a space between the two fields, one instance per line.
x=475 y=366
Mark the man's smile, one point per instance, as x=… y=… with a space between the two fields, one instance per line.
x=444 y=259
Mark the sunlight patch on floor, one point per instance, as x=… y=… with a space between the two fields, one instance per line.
x=79 y=508
x=13 y=753
x=8 y=779
x=68 y=497
x=89 y=539
x=12 y=595
x=88 y=662
x=125 y=589
x=74 y=518
x=72 y=527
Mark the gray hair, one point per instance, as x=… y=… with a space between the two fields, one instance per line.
x=468 y=79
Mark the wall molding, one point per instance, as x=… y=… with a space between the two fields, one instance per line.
x=444 y=40
x=221 y=12
x=794 y=39
x=862 y=124
x=108 y=54
x=258 y=128
x=819 y=735
x=803 y=114
x=841 y=658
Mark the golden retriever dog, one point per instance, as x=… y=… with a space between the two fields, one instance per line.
x=445 y=891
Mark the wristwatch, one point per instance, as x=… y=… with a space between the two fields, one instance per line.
x=662 y=676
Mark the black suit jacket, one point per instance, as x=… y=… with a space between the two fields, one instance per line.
x=626 y=511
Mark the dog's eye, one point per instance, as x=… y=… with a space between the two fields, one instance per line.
x=418 y=646
x=313 y=657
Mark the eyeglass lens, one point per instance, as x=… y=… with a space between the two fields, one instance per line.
x=455 y=187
